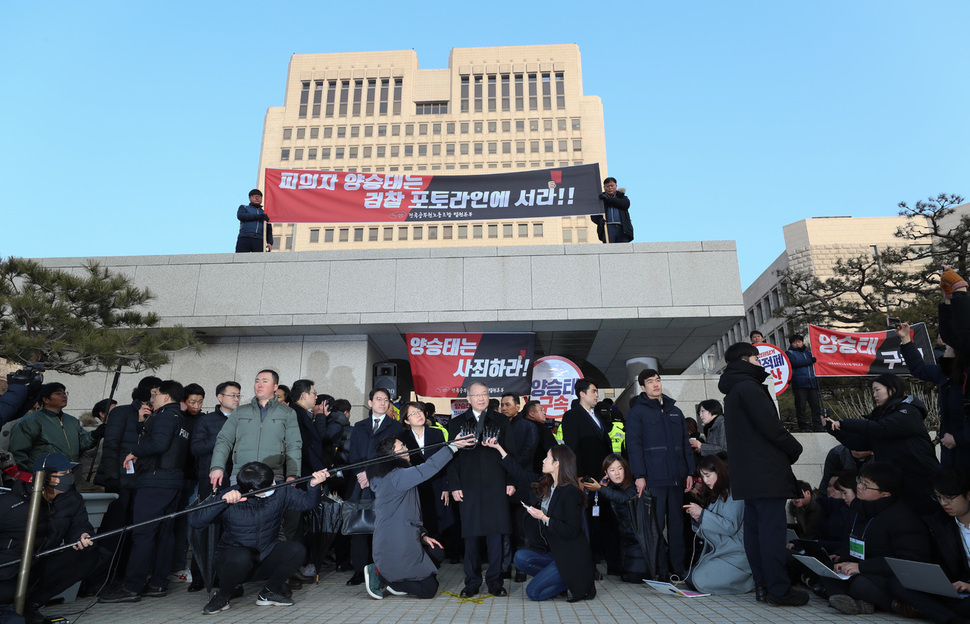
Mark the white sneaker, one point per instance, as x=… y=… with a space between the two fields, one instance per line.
x=309 y=570
x=182 y=576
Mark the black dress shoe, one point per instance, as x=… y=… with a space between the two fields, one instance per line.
x=498 y=592
x=356 y=579
x=761 y=594
x=520 y=577
x=195 y=586
x=468 y=591
x=507 y=573
x=589 y=595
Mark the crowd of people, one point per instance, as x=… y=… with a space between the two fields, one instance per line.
x=654 y=495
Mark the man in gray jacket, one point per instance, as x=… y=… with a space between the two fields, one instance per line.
x=263 y=430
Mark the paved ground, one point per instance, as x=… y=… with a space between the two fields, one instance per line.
x=331 y=601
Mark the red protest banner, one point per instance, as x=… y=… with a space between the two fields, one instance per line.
x=301 y=196
x=841 y=354
x=442 y=362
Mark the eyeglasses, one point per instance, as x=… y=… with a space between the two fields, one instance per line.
x=865 y=486
x=478 y=395
x=944 y=500
x=231 y=396
x=413 y=414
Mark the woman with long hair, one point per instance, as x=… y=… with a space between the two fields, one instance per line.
x=723 y=565
x=618 y=488
x=558 y=555
x=896 y=434
x=417 y=436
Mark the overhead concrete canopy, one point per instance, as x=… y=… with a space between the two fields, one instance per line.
x=596 y=305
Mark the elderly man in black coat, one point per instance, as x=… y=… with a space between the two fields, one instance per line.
x=762 y=452
x=479 y=483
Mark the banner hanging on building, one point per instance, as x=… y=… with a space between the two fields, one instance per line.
x=300 y=196
x=841 y=354
x=441 y=363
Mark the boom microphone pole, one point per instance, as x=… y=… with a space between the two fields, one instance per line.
x=361 y=464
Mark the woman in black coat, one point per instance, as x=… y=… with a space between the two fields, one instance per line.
x=617 y=488
x=895 y=433
x=554 y=524
x=417 y=435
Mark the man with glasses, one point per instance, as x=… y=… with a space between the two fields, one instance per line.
x=208 y=428
x=880 y=526
x=481 y=486
x=950 y=528
x=48 y=430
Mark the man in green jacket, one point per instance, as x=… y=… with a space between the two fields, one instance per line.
x=264 y=430
x=48 y=430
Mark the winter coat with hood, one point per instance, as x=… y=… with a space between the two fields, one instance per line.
x=656 y=438
x=761 y=449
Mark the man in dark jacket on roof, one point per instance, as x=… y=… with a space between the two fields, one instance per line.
x=762 y=453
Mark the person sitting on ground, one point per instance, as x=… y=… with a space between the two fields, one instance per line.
x=723 y=565
x=406 y=558
x=949 y=527
x=63 y=518
x=250 y=546
x=710 y=411
x=617 y=487
x=880 y=526
x=839 y=459
x=806 y=511
x=555 y=512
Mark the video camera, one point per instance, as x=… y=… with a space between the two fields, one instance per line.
x=32 y=376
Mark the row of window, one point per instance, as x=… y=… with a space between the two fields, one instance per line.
x=534 y=164
x=548 y=146
x=560 y=124
x=351 y=98
x=520 y=91
x=420 y=232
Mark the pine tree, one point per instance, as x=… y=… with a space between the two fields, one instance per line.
x=77 y=322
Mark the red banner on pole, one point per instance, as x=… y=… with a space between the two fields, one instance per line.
x=301 y=196
x=842 y=354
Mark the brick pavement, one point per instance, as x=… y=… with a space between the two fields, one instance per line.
x=332 y=602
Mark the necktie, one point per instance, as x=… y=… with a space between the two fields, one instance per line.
x=377 y=423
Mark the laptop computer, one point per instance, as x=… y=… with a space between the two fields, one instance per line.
x=820 y=568
x=924 y=577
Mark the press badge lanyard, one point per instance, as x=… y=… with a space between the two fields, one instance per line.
x=596 y=504
x=857 y=545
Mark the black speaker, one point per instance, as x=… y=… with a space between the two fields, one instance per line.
x=385 y=376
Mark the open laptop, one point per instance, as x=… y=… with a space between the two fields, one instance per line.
x=924 y=577
x=820 y=568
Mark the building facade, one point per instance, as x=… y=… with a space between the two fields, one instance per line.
x=492 y=110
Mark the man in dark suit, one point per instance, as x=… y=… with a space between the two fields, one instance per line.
x=536 y=415
x=363 y=445
x=481 y=487
x=589 y=439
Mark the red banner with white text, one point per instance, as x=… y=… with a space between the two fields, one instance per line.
x=441 y=363
x=841 y=354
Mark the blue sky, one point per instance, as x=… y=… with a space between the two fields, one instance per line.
x=133 y=128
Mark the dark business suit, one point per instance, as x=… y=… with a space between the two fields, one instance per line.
x=591 y=444
x=363 y=446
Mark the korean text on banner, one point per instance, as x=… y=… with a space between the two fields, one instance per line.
x=301 y=196
x=441 y=363
x=844 y=354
